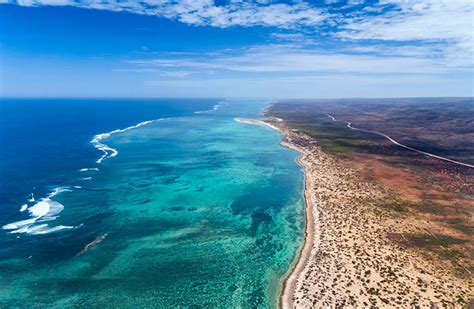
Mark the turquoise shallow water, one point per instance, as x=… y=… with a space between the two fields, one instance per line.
x=194 y=211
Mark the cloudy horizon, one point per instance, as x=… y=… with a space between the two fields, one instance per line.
x=274 y=49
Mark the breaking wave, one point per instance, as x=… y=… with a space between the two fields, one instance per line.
x=44 y=210
x=214 y=108
x=109 y=152
x=89 y=169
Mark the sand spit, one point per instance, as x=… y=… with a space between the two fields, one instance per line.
x=347 y=259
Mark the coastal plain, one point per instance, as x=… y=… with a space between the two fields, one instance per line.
x=373 y=237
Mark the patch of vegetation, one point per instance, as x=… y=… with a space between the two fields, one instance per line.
x=453 y=254
x=430 y=207
x=334 y=138
x=445 y=247
x=373 y=291
x=426 y=241
x=461 y=226
x=399 y=205
x=411 y=120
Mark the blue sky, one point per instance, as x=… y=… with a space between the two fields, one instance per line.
x=236 y=48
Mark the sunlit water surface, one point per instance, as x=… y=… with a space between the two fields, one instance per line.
x=195 y=209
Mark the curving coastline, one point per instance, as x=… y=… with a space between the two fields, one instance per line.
x=348 y=258
x=311 y=233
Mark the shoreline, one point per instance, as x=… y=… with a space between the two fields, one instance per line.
x=311 y=230
x=349 y=258
x=311 y=234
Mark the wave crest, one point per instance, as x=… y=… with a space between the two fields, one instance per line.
x=214 y=108
x=109 y=152
x=43 y=211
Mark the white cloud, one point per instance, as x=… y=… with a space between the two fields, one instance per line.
x=418 y=42
x=144 y=70
x=446 y=22
x=295 y=38
x=205 y=12
x=288 y=59
x=308 y=86
x=177 y=74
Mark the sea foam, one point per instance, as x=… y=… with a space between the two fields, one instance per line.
x=42 y=211
x=214 y=108
x=23 y=207
x=109 y=152
x=58 y=190
x=89 y=169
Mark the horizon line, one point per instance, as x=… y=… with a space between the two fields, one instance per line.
x=225 y=98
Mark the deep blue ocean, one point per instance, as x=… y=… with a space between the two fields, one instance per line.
x=44 y=140
x=154 y=203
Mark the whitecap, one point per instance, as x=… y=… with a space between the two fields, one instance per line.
x=40 y=229
x=88 y=169
x=40 y=209
x=19 y=224
x=58 y=190
x=109 y=152
x=43 y=211
x=86 y=178
x=45 y=229
x=32 y=198
x=214 y=108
